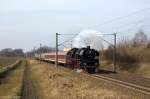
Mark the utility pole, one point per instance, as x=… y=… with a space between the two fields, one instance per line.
x=56 y=57
x=114 y=53
x=34 y=51
x=40 y=52
x=71 y=44
x=114 y=50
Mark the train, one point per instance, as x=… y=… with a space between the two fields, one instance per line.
x=86 y=59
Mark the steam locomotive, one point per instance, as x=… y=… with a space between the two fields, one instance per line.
x=83 y=58
x=86 y=59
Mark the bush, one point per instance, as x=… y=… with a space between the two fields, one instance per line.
x=128 y=55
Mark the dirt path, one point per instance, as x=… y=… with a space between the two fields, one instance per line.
x=29 y=90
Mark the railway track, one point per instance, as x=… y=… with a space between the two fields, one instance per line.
x=139 y=88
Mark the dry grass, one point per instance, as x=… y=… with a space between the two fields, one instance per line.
x=11 y=85
x=143 y=69
x=4 y=61
x=61 y=83
x=8 y=68
x=128 y=55
x=133 y=60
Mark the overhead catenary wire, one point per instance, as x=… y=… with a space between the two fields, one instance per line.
x=135 y=23
x=106 y=41
x=119 y=18
x=66 y=41
x=132 y=28
x=138 y=22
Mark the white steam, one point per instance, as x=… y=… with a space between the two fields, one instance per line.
x=90 y=38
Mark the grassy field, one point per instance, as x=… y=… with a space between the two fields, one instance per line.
x=61 y=83
x=11 y=83
x=4 y=61
x=7 y=64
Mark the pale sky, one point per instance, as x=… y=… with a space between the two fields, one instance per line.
x=26 y=23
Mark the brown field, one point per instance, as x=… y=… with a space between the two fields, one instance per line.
x=11 y=83
x=44 y=81
x=4 y=61
x=7 y=64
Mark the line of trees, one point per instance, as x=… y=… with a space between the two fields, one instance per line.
x=139 y=40
x=132 y=50
x=43 y=49
x=9 y=52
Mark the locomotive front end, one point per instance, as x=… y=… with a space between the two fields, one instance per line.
x=89 y=59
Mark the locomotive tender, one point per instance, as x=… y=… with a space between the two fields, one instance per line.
x=85 y=58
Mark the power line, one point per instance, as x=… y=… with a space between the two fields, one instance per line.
x=132 y=28
x=64 y=42
x=106 y=41
x=118 y=18
x=135 y=23
x=66 y=35
x=67 y=40
x=69 y=34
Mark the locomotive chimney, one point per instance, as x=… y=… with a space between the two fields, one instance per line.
x=88 y=47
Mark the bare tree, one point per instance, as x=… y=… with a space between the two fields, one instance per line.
x=124 y=43
x=148 y=44
x=140 y=39
x=44 y=49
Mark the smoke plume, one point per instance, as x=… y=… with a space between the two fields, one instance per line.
x=90 y=38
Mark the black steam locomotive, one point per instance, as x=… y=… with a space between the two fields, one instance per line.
x=83 y=58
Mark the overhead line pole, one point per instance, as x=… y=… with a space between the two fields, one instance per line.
x=34 y=48
x=57 y=45
x=71 y=44
x=114 y=50
x=40 y=52
x=56 y=57
x=114 y=53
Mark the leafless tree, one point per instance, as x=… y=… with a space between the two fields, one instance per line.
x=140 y=39
x=124 y=43
x=148 y=44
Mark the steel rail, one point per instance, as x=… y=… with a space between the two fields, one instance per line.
x=139 y=88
